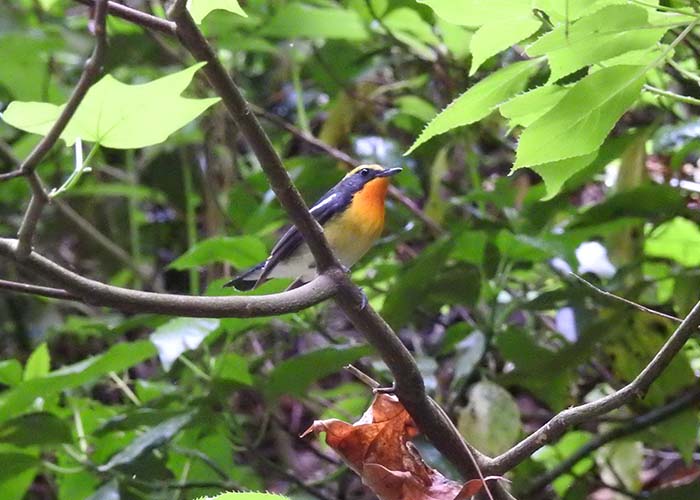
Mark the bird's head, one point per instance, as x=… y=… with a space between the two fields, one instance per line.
x=373 y=178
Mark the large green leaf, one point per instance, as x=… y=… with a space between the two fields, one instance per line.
x=556 y=173
x=294 y=375
x=580 y=122
x=496 y=36
x=117 y=358
x=241 y=252
x=525 y=108
x=118 y=115
x=297 y=20
x=479 y=101
x=609 y=32
x=199 y=9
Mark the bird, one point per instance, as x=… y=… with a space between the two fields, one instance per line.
x=352 y=217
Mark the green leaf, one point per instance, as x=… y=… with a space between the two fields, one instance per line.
x=609 y=32
x=17 y=471
x=556 y=173
x=25 y=65
x=10 y=372
x=39 y=363
x=294 y=375
x=231 y=367
x=297 y=20
x=240 y=251
x=199 y=9
x=478 y=101
x=153 y=438
x=491 y=420
x=551 y=455
x=677 y=239
x=579 y=123
x=116 y=115
x=117 y=358
x=524 y=109
x=621 y=462
x=35 y=429
x=496 y=36
x=179 y=335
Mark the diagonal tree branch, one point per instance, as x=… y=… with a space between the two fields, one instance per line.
x=409 y=383
x=688 y=400
x=87 y=78
x=99 y=294
x=579 y=414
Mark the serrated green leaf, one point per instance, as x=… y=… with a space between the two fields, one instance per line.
x=556 y=173
x=478 y=101
x=116 y=115
x=609 y=32
x=39 y=363
x=524 y=109
x=579 y=123
x=240 y=251
x=294 y=375
x=199 y=9
x=296 y=20
x=494 y=37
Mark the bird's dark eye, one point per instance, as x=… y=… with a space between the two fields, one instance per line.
x=364 y=172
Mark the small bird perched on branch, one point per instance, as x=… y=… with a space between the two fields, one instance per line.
x=352 y=217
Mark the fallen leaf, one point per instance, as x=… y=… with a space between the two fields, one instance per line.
x=378 y=448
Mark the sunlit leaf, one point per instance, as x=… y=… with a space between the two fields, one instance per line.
x=116 y=115
x=199 y=9
x=479 y=101
x=179 y=335
x=579 y=123
x=677 y=239
x=39 y=363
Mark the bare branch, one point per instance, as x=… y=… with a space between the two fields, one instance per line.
x=636 y=424
x=99 y=294
x=137 y=17
x=42 y=291
x=578 y=414
x=612 y=296
x=87 y=78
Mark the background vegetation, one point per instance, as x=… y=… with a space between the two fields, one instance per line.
x=567 y=142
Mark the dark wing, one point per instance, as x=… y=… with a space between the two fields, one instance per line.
x=330 y=204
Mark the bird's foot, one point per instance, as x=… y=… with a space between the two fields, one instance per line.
x=385 y=390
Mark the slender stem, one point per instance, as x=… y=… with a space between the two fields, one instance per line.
x=194 y=368
x=299 y=92
x=133 y=211
x=672 y=95
x=190 y=220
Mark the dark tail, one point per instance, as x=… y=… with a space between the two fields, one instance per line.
x=247 y=280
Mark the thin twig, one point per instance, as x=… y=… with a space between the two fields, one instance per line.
x=87 y=78
x=653 y=417
x=672 y=95
x=612 y=296
x=363 y=377
x=42 y=291
x=136 y=16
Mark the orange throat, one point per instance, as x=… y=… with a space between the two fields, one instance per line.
x=368 y=204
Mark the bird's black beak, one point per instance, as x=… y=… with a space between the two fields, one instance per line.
x=389 y=172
